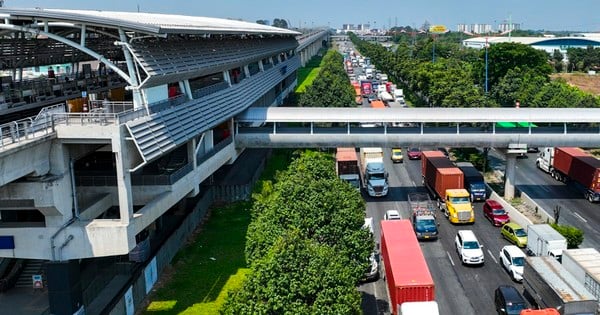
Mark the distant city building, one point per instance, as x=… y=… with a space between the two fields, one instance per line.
x=348 y=27
x=1 y=3
x=475 y=28
x=481 y=28
x=505 y=27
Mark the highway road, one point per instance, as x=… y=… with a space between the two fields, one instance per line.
x=548 y=193
x=459 y=289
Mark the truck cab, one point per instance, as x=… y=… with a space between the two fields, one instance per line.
x=377 y=179
x=457 y=206
x=423 y=216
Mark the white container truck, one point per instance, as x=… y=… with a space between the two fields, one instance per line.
x=584 y=265
x=550 y=285
x=544 y=240
x=373 y=173
x=419 y=308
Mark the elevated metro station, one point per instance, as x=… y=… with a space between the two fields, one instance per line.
x=133 y=112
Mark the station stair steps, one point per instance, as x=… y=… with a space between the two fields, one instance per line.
x=32 y=267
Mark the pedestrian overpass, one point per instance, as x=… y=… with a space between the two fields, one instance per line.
x=399 y=127
x=509 y=128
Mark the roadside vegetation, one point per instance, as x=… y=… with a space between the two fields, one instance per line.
x=456 y=78
x=306 y=245
x=331 y=88
x=213 y=262
x=308 y=73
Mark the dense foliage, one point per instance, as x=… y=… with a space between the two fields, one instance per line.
x=583 y=59
x=516 y=72
x=332 y=87
x=573 y=235
x=309 y=206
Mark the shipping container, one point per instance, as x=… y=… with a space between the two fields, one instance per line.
x=584 y=265
x=346 y=166
x=440 y=174
x=407 y=274
x=550 y=285
x=579 y=166
x=572 y=165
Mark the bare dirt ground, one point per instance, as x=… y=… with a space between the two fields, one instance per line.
x=585 y=82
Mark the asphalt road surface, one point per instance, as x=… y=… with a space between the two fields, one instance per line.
x=459 y=289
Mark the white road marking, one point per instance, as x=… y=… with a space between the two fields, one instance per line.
x=415 y=185
x=579 y=216
x=452 y=262
x=492 y=255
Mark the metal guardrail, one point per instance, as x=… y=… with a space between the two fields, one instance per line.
x=24 y=129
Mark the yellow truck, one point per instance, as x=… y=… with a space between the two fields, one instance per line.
x=397 y=156
x=458 y=206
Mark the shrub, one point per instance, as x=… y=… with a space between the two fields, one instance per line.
x=573 y=235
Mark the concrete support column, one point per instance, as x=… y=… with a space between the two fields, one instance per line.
x=226 y=77
x=208 y=140
x=509 y=176
x=184 y=86
x=191 y=154
x=64 y=287
x=123 y=162
x=246 y=71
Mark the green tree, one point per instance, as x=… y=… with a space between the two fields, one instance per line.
x=557 y=60
x=505 y=56
x=263 y=22
x=297 y=276
x=309 y=197
x=573 y=235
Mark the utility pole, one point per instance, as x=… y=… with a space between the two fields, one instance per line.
x=486 y=66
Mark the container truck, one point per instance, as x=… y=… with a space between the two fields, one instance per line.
x=374 y=177
x=419 y=308
x=572 y=165
x=346 y=166
x=406 y=272
x=544 y=240
x=584 y=265
x=446 y=182
x=423 y=216
x=549 y=285
x=366 y=87
x=474 y=182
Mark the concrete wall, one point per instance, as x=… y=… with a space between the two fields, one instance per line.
x=165 y=254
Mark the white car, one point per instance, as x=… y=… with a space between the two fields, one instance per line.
x=392 y=215
x=512 y=259
x=468 y=248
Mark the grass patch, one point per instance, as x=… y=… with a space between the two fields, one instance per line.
x=308 y=73
x=308 y=76
x=204 y=271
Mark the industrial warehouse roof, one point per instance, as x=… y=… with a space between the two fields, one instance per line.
x=584 y=41
x=150 y=23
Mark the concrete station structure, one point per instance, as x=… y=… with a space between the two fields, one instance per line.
x=149 y=119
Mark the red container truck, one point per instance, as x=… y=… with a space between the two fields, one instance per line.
x=446 y=182
x=440 y=174
x=366 y=88
x=346 y=166
x=407 y=275
x=575 y=165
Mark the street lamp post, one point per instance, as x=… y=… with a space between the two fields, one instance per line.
x=486 y=65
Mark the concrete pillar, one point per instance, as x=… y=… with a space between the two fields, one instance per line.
x=509 y=176
x=226 y=77
x=64 y=287
x=208 y=140
x=184 y=87
x=192 y=158
x=123 y=162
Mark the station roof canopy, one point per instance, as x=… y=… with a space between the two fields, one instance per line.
x=147 y=23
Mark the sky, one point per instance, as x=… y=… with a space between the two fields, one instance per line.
x=553 y=15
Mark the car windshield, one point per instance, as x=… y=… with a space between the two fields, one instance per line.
x=499 y=212
x=376 y=176
x=514 y=308
x=414 y=150
x=518 y=261
x=520 y=232
x=471 y=245
x=397 y=153
x=478 y=187
x=458 y=200
x=426 y=224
